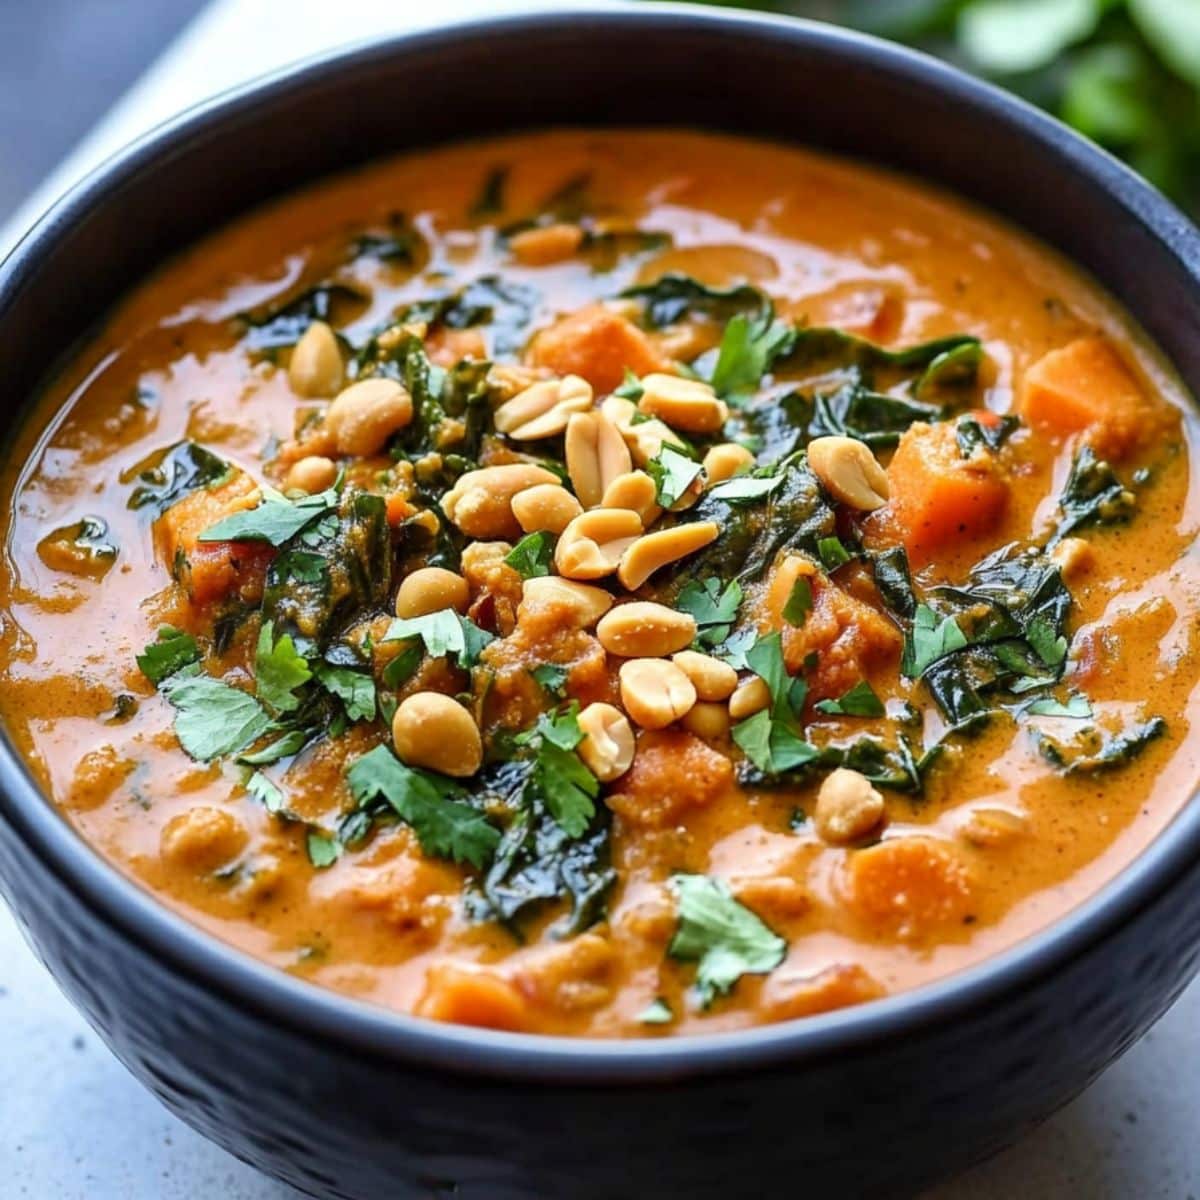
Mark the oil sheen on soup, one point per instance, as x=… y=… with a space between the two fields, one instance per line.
x=610 y=584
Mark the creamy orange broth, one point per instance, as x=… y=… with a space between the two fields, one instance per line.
x=832 y=243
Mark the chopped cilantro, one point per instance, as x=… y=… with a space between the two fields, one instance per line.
x=355 y=689
x=279 y=669
x=276 y=520
x=282 y=747
x=173 y=650
x=443 y=632
x=657 y=1012
x=532 y=555
x=799 y=603
x=724 y=937
x=765 y=659
x=323 y=851
x=929 y=640
x=832 y=553
x=742 y=489
x=749 y=346
x=859 y=701
x=673 y=473
x=211 y=718
x=1076 y=707
x=631 y=387
x=267 y=791
x=715 y=609
x=445 y=825
x=403 y=666
x=551 y=678
x=566 y=786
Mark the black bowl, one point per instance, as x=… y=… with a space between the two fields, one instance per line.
x=342 y=1099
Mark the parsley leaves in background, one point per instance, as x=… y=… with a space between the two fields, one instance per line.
x=723 y=937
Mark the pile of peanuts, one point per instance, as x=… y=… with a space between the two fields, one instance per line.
x=603 y=526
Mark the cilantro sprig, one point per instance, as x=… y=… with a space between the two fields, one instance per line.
x=443 y=633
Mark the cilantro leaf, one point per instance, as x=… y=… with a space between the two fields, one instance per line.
x=748 y=348
x=771 y=744
x=715 y=610
x=551 y=678
x=268 y=792
x=443 y=632
x=742 y=489
x=279 y=669
x=724 y=937
x=631 y=387
x=657 y=1012
x=673 y=473
x=282 y=747
x=403 y=666
x=832 y=553
x=445 y=825
x=323 y=851
x=765 y=659
x=859 y=701
x=355 y=689
x=928 y=641
x=567 y=788
x=799 y=603
x=172 y=651
x=1076 y=707
x=531 y=556
x=276 y=520
x=211 y=718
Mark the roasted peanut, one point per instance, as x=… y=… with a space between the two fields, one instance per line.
x=480 y=502
x=707 y=720
x=647 y=554
x=315 y=368
x=634 y=490
x=655 y=692
x=726 y=460
x=585 y=604
x=643 y=629
x=311 y=474
x=849 y=472
x=547 y=506
x=435 y=731
x=546 y=245
x=544 y=408
x=749 y=698
x=366 y=414
x=591 y=546
x=596 y=454
x=848 y=807
x=430 y=589
x=1074 y=556
x=644 y=439
x=203 y=839
x=687 y=404
x=712 y=678
x=608 y=744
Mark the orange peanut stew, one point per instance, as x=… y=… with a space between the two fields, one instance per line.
x=611 y=583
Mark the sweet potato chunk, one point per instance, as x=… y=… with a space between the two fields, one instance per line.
x=1086 y=387
x=597 y=344
x=212 y=571
x=911 y=888
x=838 y=986
x=672 y=773
x=472 y=995
x=938 y=496
x=849 y=637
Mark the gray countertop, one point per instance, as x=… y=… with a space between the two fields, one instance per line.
x=75 y=1126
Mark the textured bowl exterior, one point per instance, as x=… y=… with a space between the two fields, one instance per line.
x=343 y=1100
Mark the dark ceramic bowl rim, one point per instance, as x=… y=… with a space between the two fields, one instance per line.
x=369 y=1029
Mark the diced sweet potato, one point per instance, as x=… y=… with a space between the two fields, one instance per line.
x=448 y=347
x=672 y=773
x=849 y=637
x=472 y=995
x=1086 y=387
x=838 y=986
x=938 y=497
x=911 y=888
x=212 y=571
x=598 y=344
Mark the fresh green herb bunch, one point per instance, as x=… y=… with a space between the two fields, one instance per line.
x=1124 y=72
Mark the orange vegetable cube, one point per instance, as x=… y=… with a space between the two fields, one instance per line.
x=938 y=496
x=598 y=344
x=1086 y=387
x=472 y=995
x=910 y=888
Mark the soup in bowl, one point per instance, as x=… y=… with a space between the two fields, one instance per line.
x=611 y=583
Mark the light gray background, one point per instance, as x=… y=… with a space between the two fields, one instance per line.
x=75 y=1126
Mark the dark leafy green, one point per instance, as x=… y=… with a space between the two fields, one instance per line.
x=183 y=468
